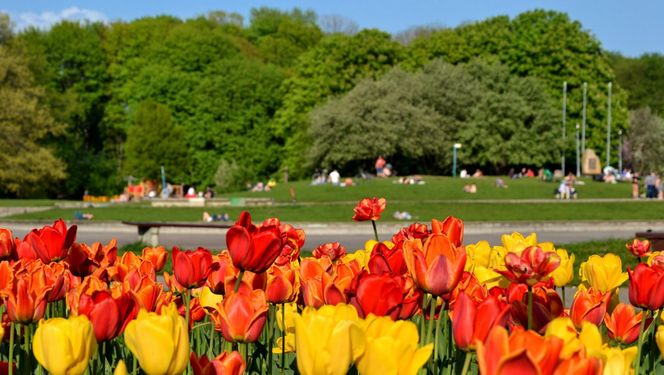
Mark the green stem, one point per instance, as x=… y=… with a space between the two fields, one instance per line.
x=530 y=307
x=270 y=338
x=375 y=230
x=564 y=299
x=466 y=363
x=432 y=314
x=135 y=365
x=11 y=349
x=210 y=350
x=283 y=338
x=640 y=344
x=436 y=338
x=238 y=281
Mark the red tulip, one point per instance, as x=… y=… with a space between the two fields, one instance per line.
x=623 y=323
x=589 y=305
x=522 y=352
x=7 y=247
x=452 y=227
x=191 y=268
x=413 y=231
x=384 y=259
x=282 y=284
x=51 y=243
x=241 y=316
x=223 y=364
x=646 y=286
x=472 y=321
x=436 y=266
x=380 y=295
x=638 y=248
x=84 y=260
x=157 y=256
x=547 y=305
x=109 y=315
x=369 y=209
x=534 y=265
x=333 y=250
x=253 y=248
x=412 y=298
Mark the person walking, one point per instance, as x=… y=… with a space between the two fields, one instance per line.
x=636 y=181
x=651 y=185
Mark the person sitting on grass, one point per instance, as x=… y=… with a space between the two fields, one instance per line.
x=78 y=215
x=215 y=217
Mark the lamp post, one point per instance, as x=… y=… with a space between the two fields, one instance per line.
x=454 y=158
x=562 y=161
x=608 y=128
x=578 y=153
x=620 y=151
x=583 y=123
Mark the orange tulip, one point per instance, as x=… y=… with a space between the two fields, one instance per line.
x=321 y=287
x=436 y=266
x=472 y=321
x=282 y=284
x=452 y=227
x=26 y=300
x=157 y=256
x=333 y=250
x=241 y=316
x=623 y=323
x=223 y=364
x=222 y=274
x=579 y=364
x=589 y=305
x=122 y=266
x=369 y=209
x=522 y=352
x=146 y=292
x=7 y=247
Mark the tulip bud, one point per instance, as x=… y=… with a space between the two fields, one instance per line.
x=64 y=346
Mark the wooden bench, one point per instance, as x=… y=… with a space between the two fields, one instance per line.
x=656 y=239
x=148 y=231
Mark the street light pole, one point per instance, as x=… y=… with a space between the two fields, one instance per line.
x=620 y=151
x=608 y=129
x=578 y=153
x=583 y=123
x=454 y=158
x=562 y=162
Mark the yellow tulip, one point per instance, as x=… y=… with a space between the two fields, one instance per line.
x=563 y=328
x=120 y=369
x=327 y=340
x=291 y=311
x=490 y=278
x=564 y=274
x=516 y=242
x=659 y=337
x=64 y=346
x=391 y=348
x=617 y=361
x=478 y=254
x=603 y=273
x=589 y=338
x=209 y=299
x=159 y=342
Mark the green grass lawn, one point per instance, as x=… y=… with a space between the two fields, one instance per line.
x=558 y=211
x=26 y=202
x=435 y=188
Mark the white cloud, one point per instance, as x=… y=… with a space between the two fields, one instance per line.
x=46 y=19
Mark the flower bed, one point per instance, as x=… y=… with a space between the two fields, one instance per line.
x=421 y=301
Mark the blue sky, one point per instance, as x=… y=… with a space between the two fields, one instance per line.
x=631 y=27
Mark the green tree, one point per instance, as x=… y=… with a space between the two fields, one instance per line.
x=27 y=166
x=331 y=68
x=645 y=141
x=643 y=78
x=154 y=141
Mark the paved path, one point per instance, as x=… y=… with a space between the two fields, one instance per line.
x=354 y=235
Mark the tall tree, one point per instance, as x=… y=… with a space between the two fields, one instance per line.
x=643 y=77
x=645 y=141
x=154 y=141
x=27 y=166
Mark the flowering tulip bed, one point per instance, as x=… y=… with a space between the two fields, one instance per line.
x=420 y=302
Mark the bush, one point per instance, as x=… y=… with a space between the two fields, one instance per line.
x=230 y=176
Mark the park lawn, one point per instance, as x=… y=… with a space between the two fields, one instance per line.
x=26 y=202
x=435 y=188
x=420 y=211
